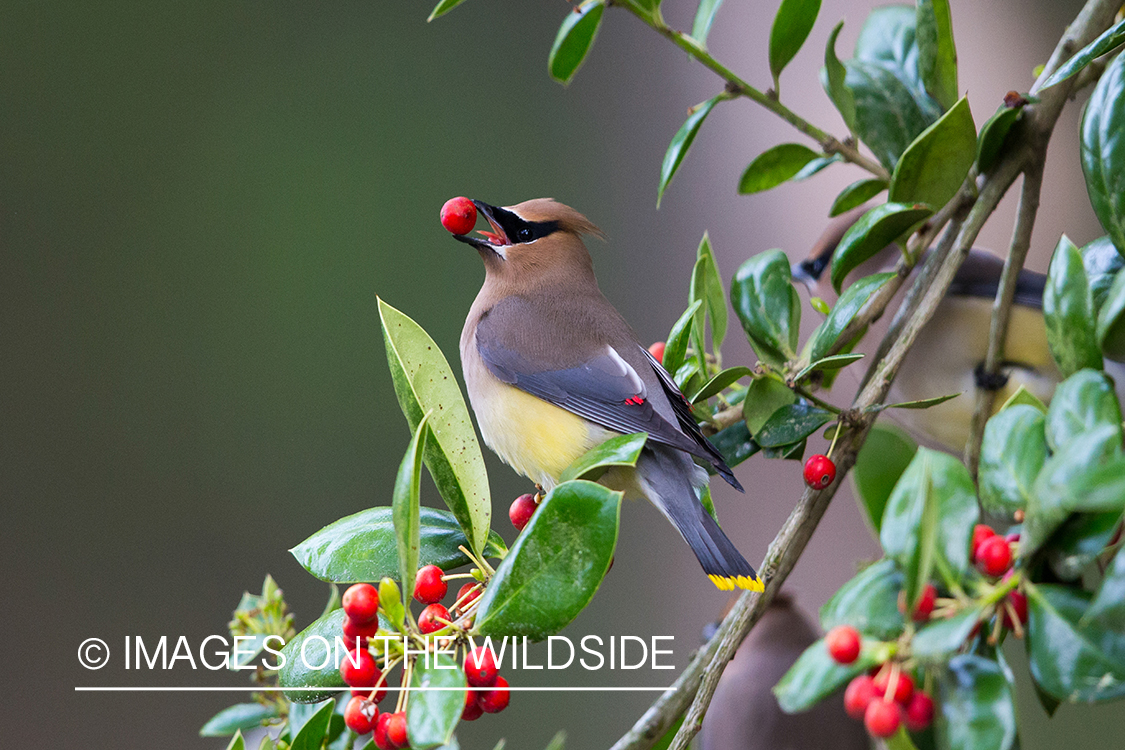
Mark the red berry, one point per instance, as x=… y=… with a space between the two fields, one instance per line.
x=381 y=740
x=980 y=533
x=459 y=215
x=396 y=730
x=904 y=688
x=521 y=510
x=1019 y=604
x=994 y=556
x=859 y=693
x=363 y=630
x=480 y=667
x=467 y=594
x=358 y=669
x=430 y=621
x=361 y=602
x=882 y=718
x=843 y=644
x=495 y=700
x=925 y=606
x=429 y=586
x=819 y=472
x=657 y=351
x=472 y=710
x=365 y=690
x=919 y=712
x=359 y=715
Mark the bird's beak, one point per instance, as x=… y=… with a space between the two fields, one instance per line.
x=492 y=240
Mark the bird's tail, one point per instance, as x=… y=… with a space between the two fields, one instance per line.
x=672 y=482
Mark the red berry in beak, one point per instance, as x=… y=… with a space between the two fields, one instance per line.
x=459 y=215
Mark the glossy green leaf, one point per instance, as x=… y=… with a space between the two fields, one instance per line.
x=929 y=519
x=768 y=307
x=300 y=713
x=424 y=382
x=1107 y=609
x=623 y=450
x=817 y=165
x=921 y=403
x=856 y=194
x=1103 y=151
x=432 y=715
x=720 y=382
x=312 y=734
x=881 y=461
x=442 y=8
x=791 y=27
x=790 y=452
x=993 y=134
x=707 y=285
x=775 y=166
x=834 y=362
x=314 y=666
x=1068 y=309
x=1110 y=328
x=681 y=142
x=558 y=742
x=938 y=639
x=1072 y=659
x=704 y=18
x=1107 y=41
x=575 y=37
x=556 y=566
x=887 y=38
x=363 y=547
x=934 y=166
x=1013 y=451
x=1102 y=262
x=977 y=706
x=1082 y=403
x=735 y=443
x=405 y=507
x=868 y=602
x=238 y=716
x=847 y=307
x=1061 y=487
x=815 y=676
x=791 y=424
x=764 y=397
x=675 y=349
x=1079 y=541
x=875 y=230
x=833 y=77
x=887 y=115
x=1025 y=397
x=937 y=55
x=236 y=742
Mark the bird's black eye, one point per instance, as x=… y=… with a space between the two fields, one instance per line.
x=525 y=234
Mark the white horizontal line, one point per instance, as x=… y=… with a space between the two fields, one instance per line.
x=185 y=689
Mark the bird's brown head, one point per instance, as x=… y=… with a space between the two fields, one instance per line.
x=532 y=241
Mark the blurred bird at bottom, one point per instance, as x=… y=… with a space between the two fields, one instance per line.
x=744 y=714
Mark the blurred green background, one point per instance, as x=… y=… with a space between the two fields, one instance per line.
x=198 y=205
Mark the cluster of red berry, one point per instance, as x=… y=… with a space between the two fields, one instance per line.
x=492 y=695
x=992 y=555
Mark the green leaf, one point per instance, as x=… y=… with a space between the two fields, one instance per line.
x=929 y=519
x=1013 y=451
x=922 y=403
x=792 y=424
x=887 y=115
x=775 y=166
x=832 y=77
x=1107 y=609
x=791 y=27
x=1068 y=309
x=790 y=452
x=847 y=307
x=735 y=443
x=432 y=715
x=573 y=41
x=1080 y=540
x=424 y=382
x=768 y=307
x=868 y=602
x=993 y=134
x=313 y=732
x=363 y=547
x=977 y=705
x=236 y=717
x=1082 y=403
x=675 y=349
x=1091 y=665
x=937 y=640
x=1103 y=151
x=442 y=8
x=856 y=194
x=937 y=55
x=707 y=285
x=1025 y=397
x=818 y=164
x=888 y=39
x=623 y=450
x=681 y=142
x=881 y=461
x=558 y=742
x=405 y=508
x=237 y=743
x=764 y=397
x=314 y=666
x=875 y=230
x=1102 y=263
x=834 y=362
x=704 y=18
x=1111 y=320
x=556 y=566
x=934 y=166
x=815 y=676
x=721 y=381
x=1109 y=40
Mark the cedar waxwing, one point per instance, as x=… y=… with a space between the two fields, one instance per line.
x=553 y=370
x=950 y=351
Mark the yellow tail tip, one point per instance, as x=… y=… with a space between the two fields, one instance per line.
x=730 y=583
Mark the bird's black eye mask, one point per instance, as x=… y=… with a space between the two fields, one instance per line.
x=508 y=228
